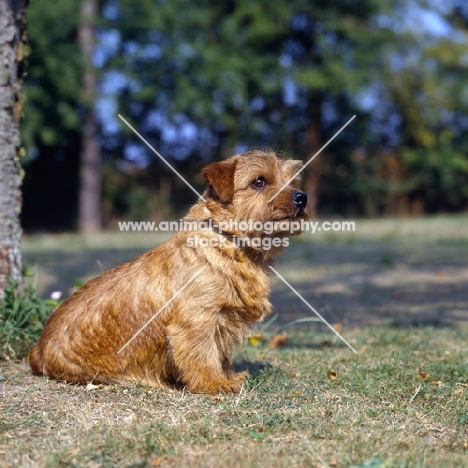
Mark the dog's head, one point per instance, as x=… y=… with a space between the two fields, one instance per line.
x=260 y=187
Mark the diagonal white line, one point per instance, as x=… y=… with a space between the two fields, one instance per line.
x=312 y=158
x=314 y=452
x=160 y=157
x=160 y=310
x=313 y=310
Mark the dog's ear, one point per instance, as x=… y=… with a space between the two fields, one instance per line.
x=220 y=177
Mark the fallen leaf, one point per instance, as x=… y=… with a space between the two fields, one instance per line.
x=438 y=383
x=91 y=386
x=337 y=326
x=423 y=375
x=325 y=343
x=332 y=374
x=255 y=340
x=403 y=444
x=278 y=341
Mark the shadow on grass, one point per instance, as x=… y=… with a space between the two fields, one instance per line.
x=397 y=304
x=253 y=368
x=356 y=284
x=423 y=322
x=351 y=285
x=59 y=269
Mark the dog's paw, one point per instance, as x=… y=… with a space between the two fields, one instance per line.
x=239 y=376
x=216 y=386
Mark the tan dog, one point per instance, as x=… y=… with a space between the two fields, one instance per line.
x=174 y=315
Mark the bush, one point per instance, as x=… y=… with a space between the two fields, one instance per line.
x=22 y=317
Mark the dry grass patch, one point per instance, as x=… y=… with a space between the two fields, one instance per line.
x=401 y=401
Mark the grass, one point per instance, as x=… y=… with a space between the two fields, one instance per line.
x=401 y=401
x=395 y=288
x=22 y=315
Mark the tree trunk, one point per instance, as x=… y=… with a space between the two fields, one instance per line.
x=89 y=209
x=12 y=47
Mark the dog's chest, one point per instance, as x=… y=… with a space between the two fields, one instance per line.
x=248 y=289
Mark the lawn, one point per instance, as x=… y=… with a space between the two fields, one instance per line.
x=395 y=289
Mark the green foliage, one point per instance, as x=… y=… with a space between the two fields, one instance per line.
x=244 y=74
x=131 y=195
x=226 y=67
x=52 y=125
x=53 y=83
x=22 y=316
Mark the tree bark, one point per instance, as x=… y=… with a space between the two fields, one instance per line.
x=89 y=209
x=12 y=47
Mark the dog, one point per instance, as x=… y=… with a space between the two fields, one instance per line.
x=172 y=317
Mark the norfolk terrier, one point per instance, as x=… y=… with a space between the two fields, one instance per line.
x=173 y=316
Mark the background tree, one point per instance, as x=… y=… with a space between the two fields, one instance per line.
x=62 y=187
x=205 y=79
x=89 y=208
x=417 y=160
x=52 y=126
x=235 y=77
x=12 y=50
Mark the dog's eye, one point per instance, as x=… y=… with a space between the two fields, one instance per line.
x=259 y=183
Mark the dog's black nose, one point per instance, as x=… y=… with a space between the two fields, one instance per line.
x=299 y=198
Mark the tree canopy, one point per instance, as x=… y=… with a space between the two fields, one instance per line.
x=202 y=80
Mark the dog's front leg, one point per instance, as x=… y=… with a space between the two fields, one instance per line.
x=197 y=359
